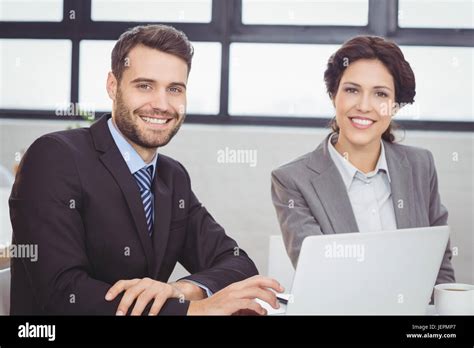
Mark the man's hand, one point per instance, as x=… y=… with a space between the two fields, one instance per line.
x=239 y=298
x=143 y=291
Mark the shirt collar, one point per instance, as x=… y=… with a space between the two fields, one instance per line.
x=382 y=162
x=348 y=170
x=131 y=157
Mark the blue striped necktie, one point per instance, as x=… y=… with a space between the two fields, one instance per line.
x=144 y=178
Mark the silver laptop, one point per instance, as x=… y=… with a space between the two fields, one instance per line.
x=388 y=272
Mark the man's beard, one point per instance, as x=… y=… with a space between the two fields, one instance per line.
x=127 y=123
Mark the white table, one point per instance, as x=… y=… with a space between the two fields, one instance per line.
x=430 y=310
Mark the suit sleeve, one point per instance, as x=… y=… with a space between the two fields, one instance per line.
x=438 y=215
x=213 y=258
x=295 y=218
x=45 y=209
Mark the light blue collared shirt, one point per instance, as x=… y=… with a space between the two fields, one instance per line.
x=370 y=194
x=131 y=157
x=135 y=163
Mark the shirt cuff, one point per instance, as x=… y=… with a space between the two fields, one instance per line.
x=205 y=288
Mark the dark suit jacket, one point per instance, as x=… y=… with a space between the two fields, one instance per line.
x=75 y=197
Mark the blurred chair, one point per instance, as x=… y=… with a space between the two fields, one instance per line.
x=6 y=177
x=6 y=183
x=279 y=263
x=5 y=291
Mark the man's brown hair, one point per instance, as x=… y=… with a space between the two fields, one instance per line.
x=158 y=36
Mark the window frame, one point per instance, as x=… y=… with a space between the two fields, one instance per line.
x=226 y=27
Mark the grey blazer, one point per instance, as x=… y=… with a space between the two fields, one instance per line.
x=310 y=197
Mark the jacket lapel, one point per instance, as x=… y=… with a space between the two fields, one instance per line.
x=115 y=164
x=402 y=186
x=330 y=189
x=162 y=222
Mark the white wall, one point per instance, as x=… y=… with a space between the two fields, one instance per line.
x=238 y=196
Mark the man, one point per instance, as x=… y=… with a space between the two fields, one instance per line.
x=111 y=217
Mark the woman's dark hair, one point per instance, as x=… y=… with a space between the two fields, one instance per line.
x=372 y=47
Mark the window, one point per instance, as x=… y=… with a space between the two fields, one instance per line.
x=309 y=12
x=258 y=62
x=152 y=10
x=203 y=85
x=94 y=65
x=436 y=14
x=35 y=81
x=444 y=83
x=279 y=80
x=204 y=80
x=31 y=10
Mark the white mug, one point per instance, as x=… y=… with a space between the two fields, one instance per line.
x=454 y=298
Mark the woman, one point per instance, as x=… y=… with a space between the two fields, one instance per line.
x=359 y=179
